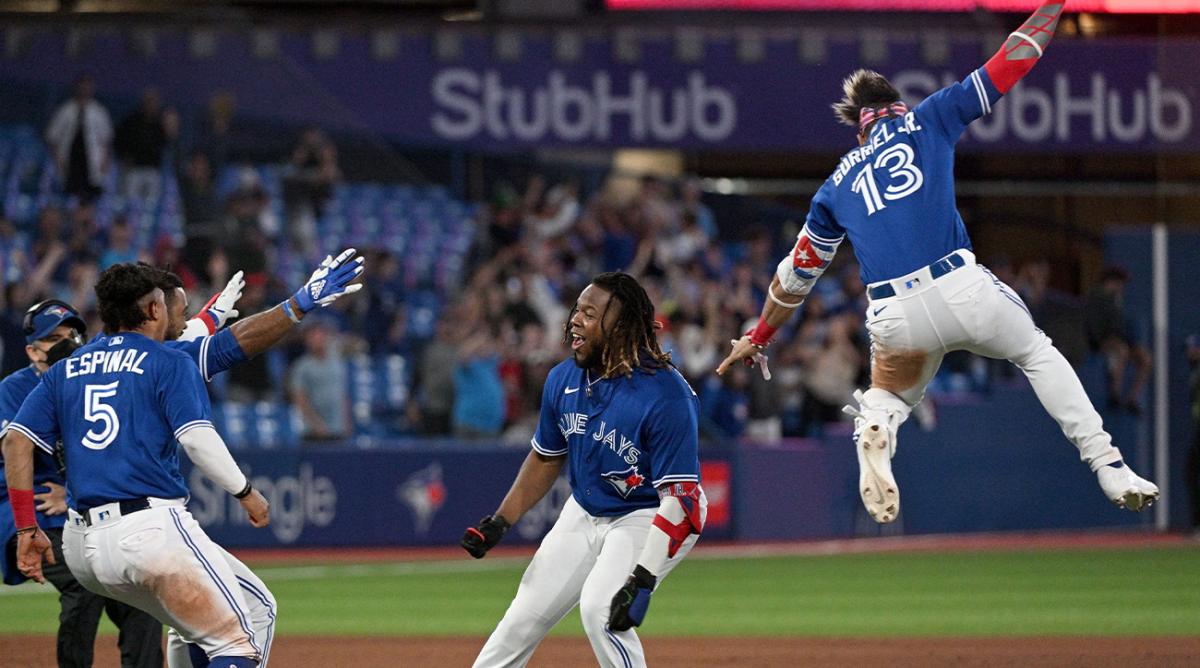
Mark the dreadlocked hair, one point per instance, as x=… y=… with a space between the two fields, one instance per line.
x=633 y=340
x=863 y=88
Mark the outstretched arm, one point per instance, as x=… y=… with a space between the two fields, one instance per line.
x=330 y=282
x=794 y=278
x=1024 y=47
x=534 y=480
x=776 y=311
x=262 y=330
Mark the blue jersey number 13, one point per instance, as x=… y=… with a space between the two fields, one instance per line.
x=898 y=161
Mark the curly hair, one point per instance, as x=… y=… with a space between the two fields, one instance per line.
x=632 y=343
x=165 y=279
x=120 y=291
x=863 y=88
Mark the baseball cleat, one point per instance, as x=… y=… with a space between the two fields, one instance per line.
x=875 y=444
x=876 y=485
x=1125 y=488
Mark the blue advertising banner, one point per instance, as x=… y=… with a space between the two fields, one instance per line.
x=386 y=497
x=1086 y=95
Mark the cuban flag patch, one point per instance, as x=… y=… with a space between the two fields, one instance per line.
x=811 y=256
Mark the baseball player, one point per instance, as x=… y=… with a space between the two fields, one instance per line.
x=53 y=330
x=625 y=420
x=247 y=338
x=894 y=197
x=119 y=404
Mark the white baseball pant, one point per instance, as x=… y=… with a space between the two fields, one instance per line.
x=970 y=309
x=263 y=610
x=583 y=560
x=161 y=561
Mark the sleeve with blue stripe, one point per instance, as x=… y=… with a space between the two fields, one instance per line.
x=182 y=396
x=213 y=354
x=952 y=108
x=672 y=435
x=815 y=246
x=38 y=418
x=548 y=439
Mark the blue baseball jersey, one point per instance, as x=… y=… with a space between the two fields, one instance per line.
x=13 y=391
x=623 y=438
x=212 y=354
x=894 y=195
x=119 y=404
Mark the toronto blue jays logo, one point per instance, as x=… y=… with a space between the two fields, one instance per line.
x=55 y=311
x=424 y=493
x=625 y=481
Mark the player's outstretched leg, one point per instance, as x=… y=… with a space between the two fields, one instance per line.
x=877 y=418
x=1062 y=395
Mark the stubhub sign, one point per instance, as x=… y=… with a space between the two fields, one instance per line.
x=1091 y=95
x=472 y=105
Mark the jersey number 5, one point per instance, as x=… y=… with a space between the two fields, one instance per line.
x=898 y=161
x=96 y=411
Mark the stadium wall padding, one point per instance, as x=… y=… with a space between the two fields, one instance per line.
x=997 y=463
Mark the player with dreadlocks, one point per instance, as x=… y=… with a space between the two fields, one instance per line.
x=625 y=420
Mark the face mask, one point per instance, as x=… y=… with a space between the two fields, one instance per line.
x=63 y=349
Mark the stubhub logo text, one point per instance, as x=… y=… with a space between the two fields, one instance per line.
x=473 y=105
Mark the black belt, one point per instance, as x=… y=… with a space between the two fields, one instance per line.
x=936 y=270
x=127 y=506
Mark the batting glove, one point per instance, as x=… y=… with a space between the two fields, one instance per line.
x=330 y=281
x=631 y=601
x=220 y=309
x=477 y=540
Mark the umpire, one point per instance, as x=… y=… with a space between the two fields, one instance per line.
x=53 y=330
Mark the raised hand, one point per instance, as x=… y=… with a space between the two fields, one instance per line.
x=330 y=281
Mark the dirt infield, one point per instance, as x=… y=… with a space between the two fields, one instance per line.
x=37 y=651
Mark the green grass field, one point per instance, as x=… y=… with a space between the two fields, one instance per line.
x=1153 y=591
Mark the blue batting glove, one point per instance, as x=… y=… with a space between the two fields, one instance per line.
x=330 y=281
x=630 y=603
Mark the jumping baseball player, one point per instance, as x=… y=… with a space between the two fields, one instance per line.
x=894 y=197
x=625 y=421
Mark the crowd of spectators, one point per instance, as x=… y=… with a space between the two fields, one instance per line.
x=477 y=370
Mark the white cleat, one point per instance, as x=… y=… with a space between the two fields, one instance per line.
x=875 y=444
x=1125 y=488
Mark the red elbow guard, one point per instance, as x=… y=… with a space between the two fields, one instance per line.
x=689 y=495
x=1023 y=47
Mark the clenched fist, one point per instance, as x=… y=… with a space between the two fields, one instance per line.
x=477 y=540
